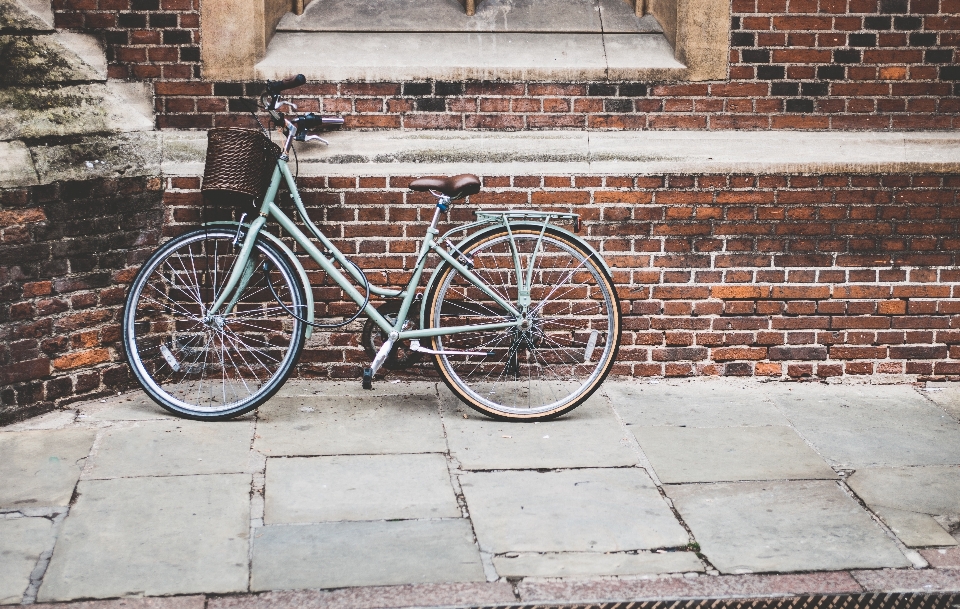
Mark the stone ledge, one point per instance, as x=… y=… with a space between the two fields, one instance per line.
x=391 y=56
x=384 y=153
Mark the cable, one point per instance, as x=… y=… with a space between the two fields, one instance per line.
x=366 y=300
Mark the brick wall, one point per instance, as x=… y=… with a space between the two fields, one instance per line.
x=788 y=276
x=797 y=64
x=67 y=251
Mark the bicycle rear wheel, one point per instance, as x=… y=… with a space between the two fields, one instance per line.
x=567 y=344
x=203 y=366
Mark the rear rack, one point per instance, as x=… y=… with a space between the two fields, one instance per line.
x=505 y=216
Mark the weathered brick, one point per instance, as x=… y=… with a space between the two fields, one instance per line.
x=722 y=354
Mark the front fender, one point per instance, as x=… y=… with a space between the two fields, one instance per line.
x=291 y=258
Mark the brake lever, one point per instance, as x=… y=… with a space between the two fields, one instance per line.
x=311 y=138
x=292 y=105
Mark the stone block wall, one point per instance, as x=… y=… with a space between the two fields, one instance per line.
x=786 y=276
x=67 y=253
x=806 y=64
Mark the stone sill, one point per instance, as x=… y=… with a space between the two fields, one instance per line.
x=405 y=56
x=385 y=153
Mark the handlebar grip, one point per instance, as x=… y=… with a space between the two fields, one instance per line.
x=276 y=86
x=313 y=121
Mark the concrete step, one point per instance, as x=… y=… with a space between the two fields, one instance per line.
x=570 y=16
x=391 y=56
x=386 y=153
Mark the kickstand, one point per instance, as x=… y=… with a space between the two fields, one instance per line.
x=367 y=378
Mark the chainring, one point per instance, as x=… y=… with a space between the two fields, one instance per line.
x=401 y=357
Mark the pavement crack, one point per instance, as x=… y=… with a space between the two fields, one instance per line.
x=57 y=516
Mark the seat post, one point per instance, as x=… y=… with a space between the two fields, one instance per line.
x=443 y=204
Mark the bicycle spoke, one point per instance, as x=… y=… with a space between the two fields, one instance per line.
x=210 y=366
x=538 y=367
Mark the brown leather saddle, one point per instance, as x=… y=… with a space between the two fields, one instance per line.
x=455 y=187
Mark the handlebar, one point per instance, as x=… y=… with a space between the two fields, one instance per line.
x=312 y=121
x=297 y=127
x=276 y=86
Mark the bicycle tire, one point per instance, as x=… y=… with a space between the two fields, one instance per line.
x=250 y=352
x=574 y=313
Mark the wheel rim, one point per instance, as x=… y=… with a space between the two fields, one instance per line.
x=199 y=363
x=538 y=367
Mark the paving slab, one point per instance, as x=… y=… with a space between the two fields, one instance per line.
x=22 y=541
x=598 y=510
x=130 y=406
x=375 y=597
x=909 y=580
x=946 y=396
x=340 y=554
x=700 y=454
x=592 y=564
x=173 y=448
x=590 y=436
x=915 y=530
x=299 y=388
x=931 y=490
x=745 y=527
x=153 y=537
x=741 y=586
x=41 y=468
x=702 y=403
x=907 y=498
x=858 y=426
x=56 y=419
x=345 y=425
x=358 y=487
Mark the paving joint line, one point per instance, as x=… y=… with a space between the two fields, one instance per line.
x=644 y=463
x=257 y=498
x=453 y=467
x=910 y=554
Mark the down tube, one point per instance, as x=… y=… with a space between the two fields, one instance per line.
x=327 y=266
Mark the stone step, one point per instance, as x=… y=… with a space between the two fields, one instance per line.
x=392 y=56
x=570 y=16
x=55 y=83
x=399 y=153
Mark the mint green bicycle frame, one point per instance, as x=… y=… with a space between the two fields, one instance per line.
x=244 y=266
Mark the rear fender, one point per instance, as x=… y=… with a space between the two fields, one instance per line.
x=494 y=228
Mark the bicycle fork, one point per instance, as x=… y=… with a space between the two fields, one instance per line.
x=240 y=275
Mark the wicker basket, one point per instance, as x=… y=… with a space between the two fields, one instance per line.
x=239 y=161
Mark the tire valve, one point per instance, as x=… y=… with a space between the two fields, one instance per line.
x=171 y=360
x=591 y=345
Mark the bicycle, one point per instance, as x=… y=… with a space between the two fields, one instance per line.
x=521 y=317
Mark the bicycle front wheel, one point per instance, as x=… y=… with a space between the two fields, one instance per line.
x=568 y=339
x=204 y=364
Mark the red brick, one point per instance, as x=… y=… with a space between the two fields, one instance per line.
x=722 y=354
x=183 y=88
x=740 y=292
x=768 y=369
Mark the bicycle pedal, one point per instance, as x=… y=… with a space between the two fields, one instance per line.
x=367 y=381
